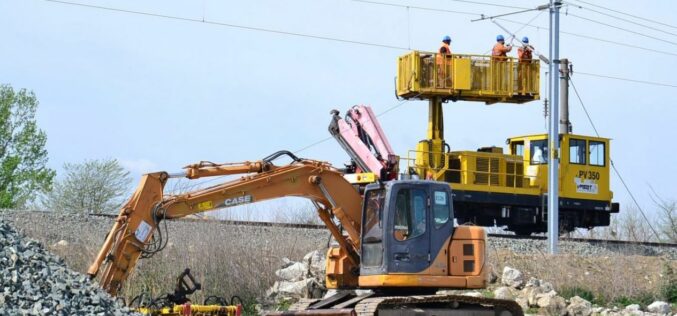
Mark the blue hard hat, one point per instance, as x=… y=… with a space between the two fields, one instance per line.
x=446 y=38
x=499 y=38
x=525 y=40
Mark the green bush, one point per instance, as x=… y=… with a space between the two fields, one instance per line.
x=668 y=290
x=643 y=299
x=569 y=292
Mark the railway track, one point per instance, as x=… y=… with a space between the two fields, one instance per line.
x=314 y=226
x=592 y=241
x=234 y=222
x=506 y=236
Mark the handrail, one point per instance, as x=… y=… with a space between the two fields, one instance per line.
x=439 y=171
x=468 y=77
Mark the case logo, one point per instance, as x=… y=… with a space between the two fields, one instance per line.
x=238 y=200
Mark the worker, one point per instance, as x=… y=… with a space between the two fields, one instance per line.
x=500 y=80
x=524 y=55
x=445 y=49
x=443 y=61
x=500 y=50
x=524 y=52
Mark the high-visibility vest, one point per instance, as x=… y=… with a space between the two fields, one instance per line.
x=500 y=50
x=524 y=54
x=443 y=52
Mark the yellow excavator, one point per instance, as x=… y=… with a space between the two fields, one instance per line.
x=396 y=238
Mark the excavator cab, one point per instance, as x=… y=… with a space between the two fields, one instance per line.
x=407 y=238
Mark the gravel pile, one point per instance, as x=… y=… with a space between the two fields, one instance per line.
x=529 y=246
x=35 y=282
x=535 y=294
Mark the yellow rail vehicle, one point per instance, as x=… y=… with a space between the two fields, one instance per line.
x=492 y=187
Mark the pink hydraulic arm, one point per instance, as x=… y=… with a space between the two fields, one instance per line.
x=362 y=137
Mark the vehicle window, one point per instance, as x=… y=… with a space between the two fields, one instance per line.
x=597 y=153
x=374 y=215
x=410 y=214
x=577 y=151
x=539 y=151
x=441 y=208
x=518 y=148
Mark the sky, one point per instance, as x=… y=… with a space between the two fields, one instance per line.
x=159 y=93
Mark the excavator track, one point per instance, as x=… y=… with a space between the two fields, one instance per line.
x=302 y=304
x=437 y=305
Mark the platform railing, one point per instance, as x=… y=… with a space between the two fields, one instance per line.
x=512 y=179
x=468 y=77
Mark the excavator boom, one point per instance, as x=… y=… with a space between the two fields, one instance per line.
x=136 y=234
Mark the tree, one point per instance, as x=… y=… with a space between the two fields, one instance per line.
x=667 y=223
x=23 y=157
x=94 y=186
x=667 y=216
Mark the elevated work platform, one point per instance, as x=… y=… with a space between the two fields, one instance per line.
x=425 y=75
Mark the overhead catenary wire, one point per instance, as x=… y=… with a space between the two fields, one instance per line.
x=491 y=4
x=628 y=14
x=418 y=7
x=653 y=83
x=326 y=38
x=537 y=27
x=623 y=19
x=622 y=29
x=613 y=166
x=230 y=25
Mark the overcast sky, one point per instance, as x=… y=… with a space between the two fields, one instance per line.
x=159 y=93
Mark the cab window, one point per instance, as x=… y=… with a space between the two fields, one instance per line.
x=539 y=151
x=410 y=214
x=441 y=208
x=374 y=215
x=518 y=148
x=597 y=153
x=577 y=151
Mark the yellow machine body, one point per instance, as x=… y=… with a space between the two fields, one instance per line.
x=524 y=170
x=492 y=187
x=460 y=263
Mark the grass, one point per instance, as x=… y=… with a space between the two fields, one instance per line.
x=620 y=279
x=226 y=259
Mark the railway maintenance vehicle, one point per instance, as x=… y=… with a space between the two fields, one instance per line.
x=490 y=186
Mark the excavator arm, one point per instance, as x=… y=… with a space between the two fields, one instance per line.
x=135 y=233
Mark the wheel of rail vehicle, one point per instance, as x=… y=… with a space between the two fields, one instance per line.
x=522 y=231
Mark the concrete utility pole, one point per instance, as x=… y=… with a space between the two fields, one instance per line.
x=564 y=123
x=553 y=133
